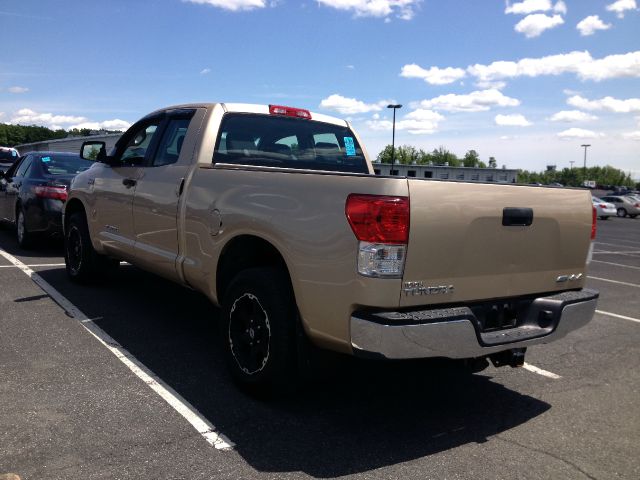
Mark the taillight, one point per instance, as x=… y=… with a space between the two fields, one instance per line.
x=56 y=193
x=377 y=218
x=594 y=214
x=603 y=205
x=289 y=111
x=381 y=224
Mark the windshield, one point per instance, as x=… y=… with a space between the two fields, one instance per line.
x=63 y=164
x=272 y=141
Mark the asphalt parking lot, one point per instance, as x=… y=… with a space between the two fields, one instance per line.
x=71 y=408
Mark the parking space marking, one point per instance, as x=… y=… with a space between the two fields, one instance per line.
x=614 y=281
x=615 y=244
x=617 y=264
x=631 y=253
x=623 y=317
x=35 y=265
x=539 y=371
x=620 y=240
x=168 y=394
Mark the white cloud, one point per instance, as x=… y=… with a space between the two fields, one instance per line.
x=434 y=75
x=632 y=135
x=507 y=137
x=418 y=122
x=629 y=105
x=489 y=84
x=350 y=106
x=621 y=6
x=232 y=5
x=560 y=7
x=533 y=25
x=528 y=6
x=579 y=133
x=403 y=9
x=115 y=124
x=515 y=120
x=204 y=71
x=589 y=25
x=580 y=63
x=569 y=116
x=18 y=89
x=27 y=116
x=477 y=101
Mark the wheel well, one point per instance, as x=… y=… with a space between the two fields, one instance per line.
x=73 y=206
x=244 y=252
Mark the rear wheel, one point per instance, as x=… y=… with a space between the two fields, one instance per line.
x=633 y=215
x=23 y=235
x=621 y=212
x=604 y=218
x=83 y=263
x=258 y=330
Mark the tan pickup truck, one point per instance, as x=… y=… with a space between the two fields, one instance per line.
x=274 y=213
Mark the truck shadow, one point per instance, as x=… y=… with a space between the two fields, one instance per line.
x=356 y=417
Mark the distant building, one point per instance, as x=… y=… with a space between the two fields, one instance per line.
x=443 y=172
x=71 y=144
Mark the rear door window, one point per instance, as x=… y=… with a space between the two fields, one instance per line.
x=272 y=141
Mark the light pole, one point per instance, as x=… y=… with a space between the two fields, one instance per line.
x=572 y=162
x=393 y=138
x=584 y=167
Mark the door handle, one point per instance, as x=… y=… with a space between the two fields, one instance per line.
x=180 y=187
x=129 y=182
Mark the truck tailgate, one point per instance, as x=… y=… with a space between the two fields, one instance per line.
x=459 y=249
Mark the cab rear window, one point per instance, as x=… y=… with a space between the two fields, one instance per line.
x=271 y=141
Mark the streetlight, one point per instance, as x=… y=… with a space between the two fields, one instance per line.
x=572 y=162
x=584 y=167
x=393 y=138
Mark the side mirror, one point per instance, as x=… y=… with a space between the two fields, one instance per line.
x=94 y=151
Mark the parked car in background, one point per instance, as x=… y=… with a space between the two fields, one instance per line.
x=604 y=210
x=8 y=157
x=625 y=205
x=33 y=192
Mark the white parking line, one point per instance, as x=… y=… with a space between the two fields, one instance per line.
x=168 y=394
x=614 y=281
x=617 y=264
x=621 y=240
x=539 y=371
x=618 y=316
x=613 y=244
x=609 y=252
x=35 y=265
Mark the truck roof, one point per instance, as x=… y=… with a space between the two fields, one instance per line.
x=251 y=108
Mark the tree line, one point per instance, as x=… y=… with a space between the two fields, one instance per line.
x=606 y=177
x=574 y=177
x=409 y=155
x=12 y=135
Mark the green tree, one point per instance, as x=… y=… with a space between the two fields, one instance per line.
x=471 y=159
x=442 y=156
x=492 y=162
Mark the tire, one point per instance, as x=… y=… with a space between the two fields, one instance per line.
x=604 y=218
x=258 y=330
x=634 y=215
x=24 y=237
x=83 y=263
x=621 y=212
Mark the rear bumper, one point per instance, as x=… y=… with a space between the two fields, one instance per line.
x=456 y=332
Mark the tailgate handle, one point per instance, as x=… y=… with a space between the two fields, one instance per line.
x=517 y=217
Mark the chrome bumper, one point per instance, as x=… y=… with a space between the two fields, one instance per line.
x=456 y=332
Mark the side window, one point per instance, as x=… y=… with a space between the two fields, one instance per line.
x=139 y=142
x=171 y=142
x=22 y=168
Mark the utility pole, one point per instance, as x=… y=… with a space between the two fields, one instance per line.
x=584 y=167
x=393 y=138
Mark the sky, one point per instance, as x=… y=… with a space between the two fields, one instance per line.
x=526 y=82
